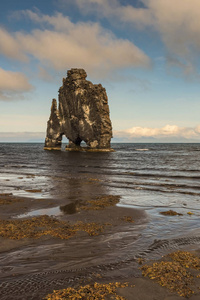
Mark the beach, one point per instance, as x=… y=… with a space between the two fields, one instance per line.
x=67 y=223
x=31 y=268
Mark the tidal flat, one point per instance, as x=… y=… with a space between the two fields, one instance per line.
x=79 y=245
x=81 y=252
x=86 y=223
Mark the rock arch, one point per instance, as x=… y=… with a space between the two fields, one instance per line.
x=82 y=115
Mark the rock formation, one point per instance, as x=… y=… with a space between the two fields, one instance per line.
x=82 y=115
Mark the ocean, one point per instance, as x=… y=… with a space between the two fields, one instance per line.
x=152 y=177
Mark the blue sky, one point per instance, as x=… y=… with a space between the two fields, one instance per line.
x=144 y=52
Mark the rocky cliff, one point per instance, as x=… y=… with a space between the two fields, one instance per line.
x=82 y=115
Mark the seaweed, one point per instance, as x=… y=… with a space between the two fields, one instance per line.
x=94 y=291
x=186 y=259
x=170 y=275
x=100 y=202
x=33 y=191
x=190 y=213
x=37 y=227
x=128 y=219
x=174 y=274
x=170 y=213
x=6 y=199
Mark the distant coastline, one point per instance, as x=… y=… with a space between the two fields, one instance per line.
x=39 y=137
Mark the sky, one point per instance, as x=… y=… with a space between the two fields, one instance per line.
x=146 y=53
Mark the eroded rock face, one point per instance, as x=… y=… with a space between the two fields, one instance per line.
x=82 y=115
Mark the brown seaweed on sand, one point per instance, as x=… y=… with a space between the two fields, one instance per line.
x=173 y=272
x=128 y=219
x=44 y=225
x=8 y=198
x=94 y=291
x=101 y=202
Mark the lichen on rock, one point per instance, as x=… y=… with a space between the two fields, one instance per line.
x=82 y=114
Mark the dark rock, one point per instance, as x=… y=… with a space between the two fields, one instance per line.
x=54 y=136
x=82 y=115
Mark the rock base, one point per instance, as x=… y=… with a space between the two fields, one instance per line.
x=52 y=148
x=85 y=149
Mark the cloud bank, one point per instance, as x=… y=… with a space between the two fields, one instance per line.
x=63 y=44
x=168 y=132
x=56 y=43
x=178 y=24
x=13 y=85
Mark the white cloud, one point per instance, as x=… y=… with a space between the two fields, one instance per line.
x=177 y=22
x=59 y=22
x=13 y=85
x=168 y=131
x=179 y=26
x=113 y=9
x=45 y=75
x=64 y=44
x=10 y=47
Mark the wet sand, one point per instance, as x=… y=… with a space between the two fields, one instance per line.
x=32 y=268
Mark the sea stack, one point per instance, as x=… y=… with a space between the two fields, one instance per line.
x=82 y=115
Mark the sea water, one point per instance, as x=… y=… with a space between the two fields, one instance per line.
x=153 y=177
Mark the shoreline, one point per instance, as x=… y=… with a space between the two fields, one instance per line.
x=30 y=258
x=79 y=259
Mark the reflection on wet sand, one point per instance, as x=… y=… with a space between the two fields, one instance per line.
x=71 y=208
